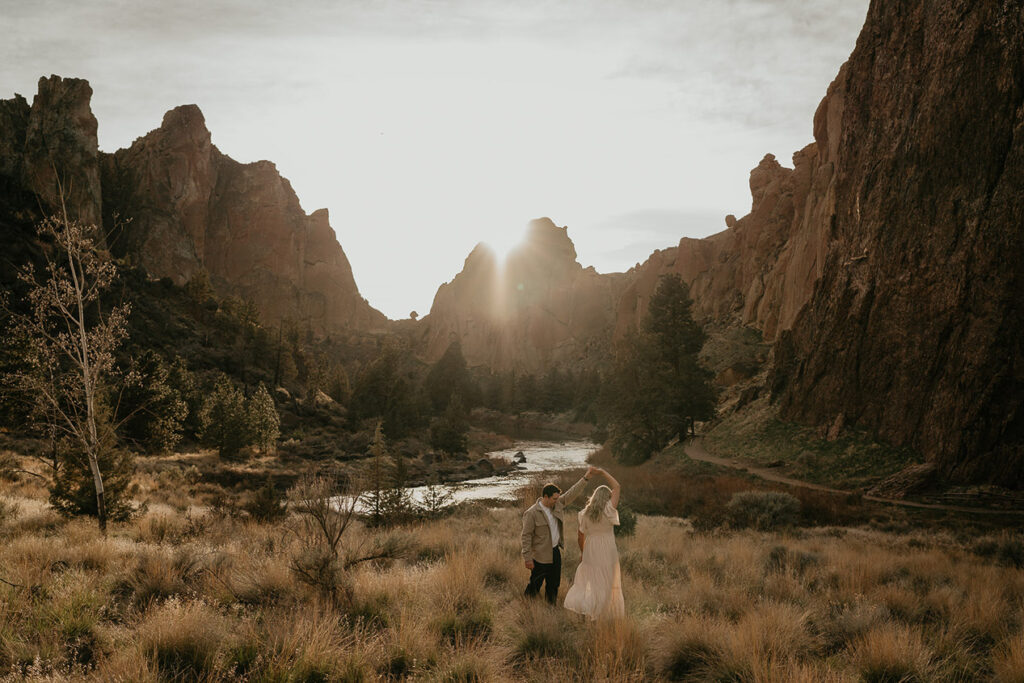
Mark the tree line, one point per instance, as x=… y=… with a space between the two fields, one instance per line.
x=101 y=363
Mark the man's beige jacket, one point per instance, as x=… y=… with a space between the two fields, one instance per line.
x=536 y=530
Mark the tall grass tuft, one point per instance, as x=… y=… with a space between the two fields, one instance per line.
x=183 y=640
x=892 y=653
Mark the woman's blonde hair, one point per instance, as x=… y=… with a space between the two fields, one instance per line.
x=598 y=500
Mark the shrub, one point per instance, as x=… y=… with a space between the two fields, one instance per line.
x=763 y=510
x=688 y=656
x=892 y=654
x=73 y=492
x=1007 y=551
x=462 y=623
x=627 y=520
x=780 y=559
x=8 y=510
x=161 y=574
x=267 y=504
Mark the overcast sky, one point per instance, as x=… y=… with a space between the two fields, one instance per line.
x=426 y=127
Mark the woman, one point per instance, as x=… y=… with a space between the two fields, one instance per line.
x=597 y=588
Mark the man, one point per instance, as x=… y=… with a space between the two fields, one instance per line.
x=543 y=537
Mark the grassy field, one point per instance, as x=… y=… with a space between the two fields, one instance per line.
x=187 y=592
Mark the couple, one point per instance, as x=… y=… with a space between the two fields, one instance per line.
x=597 y=589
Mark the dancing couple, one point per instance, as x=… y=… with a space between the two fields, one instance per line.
x=596 y=591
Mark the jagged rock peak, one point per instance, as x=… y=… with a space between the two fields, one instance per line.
x=763 y=175
x=187 y=118
x=542 y=234
x=61 y=149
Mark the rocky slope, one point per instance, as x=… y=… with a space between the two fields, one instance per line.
x=537 y=308
x=173 y=204
x=914 y=331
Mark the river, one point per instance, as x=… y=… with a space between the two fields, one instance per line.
x=541 y=456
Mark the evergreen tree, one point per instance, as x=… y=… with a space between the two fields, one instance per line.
x=150 y=410
x=224 y=420
x=385 y=391
x=658 y=387
x=73 y=492
x=448 y=376
x=338 y=386
x=448 y=433
x=524 y=392
x=182 y=382
x=264 y=422
x=376 y=487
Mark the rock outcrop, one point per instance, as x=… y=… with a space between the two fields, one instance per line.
x=760 y=270
x=540 y=307
x=174 y=205
x=914 y=331
x=190 y=209
x=50 y=149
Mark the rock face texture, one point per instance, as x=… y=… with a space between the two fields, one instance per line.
x=916 y=326
x=539 y=307
x=51 y=147
x=760 y=270
x=194 y=209
x=182 y=207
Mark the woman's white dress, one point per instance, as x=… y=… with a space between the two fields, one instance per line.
x=597 y=589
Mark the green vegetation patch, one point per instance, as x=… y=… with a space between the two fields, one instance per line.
x=757 y=436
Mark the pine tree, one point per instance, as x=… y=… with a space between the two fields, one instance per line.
x=658 y=388
x=448 y=433
x=150 y=410
x=264 y=422
x=224 y=420
x=376 y=485
x=448 y=376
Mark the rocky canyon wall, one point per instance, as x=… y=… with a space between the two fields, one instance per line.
x=914 y=331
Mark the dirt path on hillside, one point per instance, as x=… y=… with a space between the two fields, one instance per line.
x=696 y=451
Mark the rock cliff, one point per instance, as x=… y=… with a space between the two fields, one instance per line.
x=51 y=147
x=539 y=307
x=192 y=208
x=760 y=270
x=174 y=205
x=914 y=330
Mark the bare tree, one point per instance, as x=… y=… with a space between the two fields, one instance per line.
x=69 y=339
x=326 y=505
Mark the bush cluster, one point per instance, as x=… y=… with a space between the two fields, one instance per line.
x=763 y=510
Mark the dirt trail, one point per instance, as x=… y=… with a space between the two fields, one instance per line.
x=696 y=451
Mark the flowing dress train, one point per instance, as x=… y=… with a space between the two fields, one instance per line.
x=597 y=589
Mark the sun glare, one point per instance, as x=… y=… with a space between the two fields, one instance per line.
x=502 y=243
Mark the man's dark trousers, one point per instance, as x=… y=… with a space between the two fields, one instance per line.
x=549 y=574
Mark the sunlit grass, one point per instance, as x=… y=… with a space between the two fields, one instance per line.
x=187 y=594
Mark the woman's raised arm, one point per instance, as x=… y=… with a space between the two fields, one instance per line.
x=616 y=488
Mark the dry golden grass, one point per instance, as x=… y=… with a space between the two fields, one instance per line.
x=183 y=593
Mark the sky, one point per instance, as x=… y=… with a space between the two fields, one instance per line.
x=425 y=127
